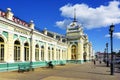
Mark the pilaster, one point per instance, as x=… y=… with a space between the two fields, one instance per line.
x=69 y=53
x=6 y=52
x=50 y=53
x=87 y=51
x=55 y=52
x=33 y=50
x=46 y=52
x=80 y=50
x=22 y=53
x=40 y=53
x=10 y=48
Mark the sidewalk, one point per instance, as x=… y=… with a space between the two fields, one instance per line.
x=85 y=71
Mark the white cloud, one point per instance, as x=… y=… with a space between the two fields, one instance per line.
x=115 y=35
x=89 y=17
x=63 y=24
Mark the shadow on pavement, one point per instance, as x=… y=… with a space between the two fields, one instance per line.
x=100 y=65
x=73 y=71
x=97 y=73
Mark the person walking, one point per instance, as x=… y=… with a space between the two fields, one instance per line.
x=94 y=62
x=100 y=61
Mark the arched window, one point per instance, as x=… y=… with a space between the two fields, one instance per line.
x=42 y=53
x=73 y=52
x=48 y=53
x=52 y=54
x=1 y=49
x=36 y=52
x=26 y=51
x=57 y=54
x=17 y=51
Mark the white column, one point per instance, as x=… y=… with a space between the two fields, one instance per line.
x=69 y=53
x=87 y=51
x=55 y=53
x=50 y=53
x=22 y=53
x=80 y=50
x=65 y=54
x=46 y=52
x=10 y=48
x=6 y=52
x=60 y=54
x=32 y=50
x=40 y=53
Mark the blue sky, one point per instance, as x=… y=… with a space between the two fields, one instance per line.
x=95 y=16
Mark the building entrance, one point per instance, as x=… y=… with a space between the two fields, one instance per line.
x=73 y=52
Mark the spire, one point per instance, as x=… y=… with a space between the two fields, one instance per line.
x=74 y=15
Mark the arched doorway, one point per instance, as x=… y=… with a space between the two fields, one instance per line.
x=73 y=52
x=36 y=52
x=52 y=53
x=17 y=50
x=84 y=56
x=48 y=53
x=42 y=53
x=1 y=49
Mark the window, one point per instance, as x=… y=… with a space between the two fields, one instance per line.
x=36 y=52
x=1 y=50
x=48 y=53
x=52 y=54
x=17 y=51
x=42 y=53
x=59 y=54
x=26 y=51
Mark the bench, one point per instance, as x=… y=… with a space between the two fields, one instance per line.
x=24 y=68
x=50 y=65
x=62 y=63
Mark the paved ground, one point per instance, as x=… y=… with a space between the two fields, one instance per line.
x=85 y=71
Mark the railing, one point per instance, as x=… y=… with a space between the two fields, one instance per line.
x=2 y=14
x=14 y=19
x=19 y=21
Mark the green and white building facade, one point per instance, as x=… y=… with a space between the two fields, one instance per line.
x=21 y=44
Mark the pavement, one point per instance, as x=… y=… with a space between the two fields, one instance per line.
x=86 y=71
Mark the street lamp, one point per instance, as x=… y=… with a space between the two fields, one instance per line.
x=107 y=55
x=111 y=41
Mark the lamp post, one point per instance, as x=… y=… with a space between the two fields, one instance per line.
x=112 y=55
x=107 y=55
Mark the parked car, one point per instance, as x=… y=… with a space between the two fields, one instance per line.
x=117 y=61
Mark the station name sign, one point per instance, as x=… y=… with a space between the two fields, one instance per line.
x=21 y=31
